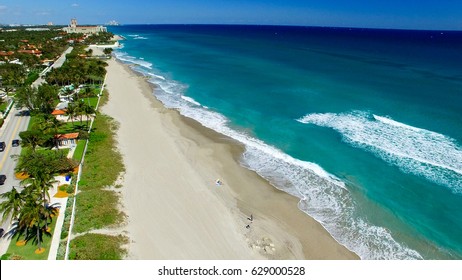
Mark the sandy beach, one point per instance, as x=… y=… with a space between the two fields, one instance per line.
x=175 y=208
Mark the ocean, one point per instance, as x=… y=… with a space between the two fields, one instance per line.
x=363 y=125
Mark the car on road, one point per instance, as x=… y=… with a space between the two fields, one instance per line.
x=15 y=142
x=2 y=179
x=2 y=146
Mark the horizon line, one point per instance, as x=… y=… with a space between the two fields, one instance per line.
x=233 y=24
x=291 y=25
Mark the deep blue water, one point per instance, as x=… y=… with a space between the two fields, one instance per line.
x=363 y=125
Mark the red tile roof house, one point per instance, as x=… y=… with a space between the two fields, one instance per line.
x=60 y=115
x=67 y=139
x=4 y=53
x=34 y=52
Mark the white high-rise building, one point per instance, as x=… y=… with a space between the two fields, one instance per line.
x=93 y=29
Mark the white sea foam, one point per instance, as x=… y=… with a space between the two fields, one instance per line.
x=191 y=100
x=137 y=37
x=159 y=77
x=425 y=153
x=329 y=204
x=322 y=195
x=395 y=123
x=123 y=56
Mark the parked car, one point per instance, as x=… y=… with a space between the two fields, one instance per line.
x=2 y=146
x=24 y=113
x=2 y=179
x=15 y=142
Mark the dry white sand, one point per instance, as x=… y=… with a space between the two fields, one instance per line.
x=176 y=211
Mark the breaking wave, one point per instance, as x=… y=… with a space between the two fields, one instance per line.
x=417 y=151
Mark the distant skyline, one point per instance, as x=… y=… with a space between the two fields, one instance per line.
x=401 y=14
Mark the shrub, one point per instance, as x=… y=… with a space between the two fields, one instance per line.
x=5 y=257
x=64 y=233
x=70 y=189
x=96 y=209
x=93 y=246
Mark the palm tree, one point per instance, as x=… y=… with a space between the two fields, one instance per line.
x=40 y=182
x=87 y=92
x=88 y=110
x=50 y=127
x=32 y=222
x=71 y=112
x=67 y=91
x=50 y=211
x=30 y=208
x=80 y=108
x=60 y=78
x=35 y=213
x=89 y=71
x=12 y=203
x=31 y=138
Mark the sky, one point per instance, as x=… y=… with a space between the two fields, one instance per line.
x=401 y=14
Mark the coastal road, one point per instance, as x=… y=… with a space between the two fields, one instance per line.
x=58 y=63
x=15 y=123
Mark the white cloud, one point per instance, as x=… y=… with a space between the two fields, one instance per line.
x=3 y=8
x=75 y=5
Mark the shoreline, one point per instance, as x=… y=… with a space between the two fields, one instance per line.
x=214 y=218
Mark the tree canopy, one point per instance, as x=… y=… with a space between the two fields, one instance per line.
x=40 y=100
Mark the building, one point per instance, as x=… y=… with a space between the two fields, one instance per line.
x=5 y=53
x=73 y=28
x=34 y=52
x=67 y=139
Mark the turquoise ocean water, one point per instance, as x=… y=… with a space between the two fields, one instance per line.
x=364 y=126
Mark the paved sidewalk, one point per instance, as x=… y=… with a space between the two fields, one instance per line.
x=56 y=238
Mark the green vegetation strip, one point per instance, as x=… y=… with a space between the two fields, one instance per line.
x=96 y=209
x=90 y=100
x=78 y=153
x=103 y=162
x=31 y=77
x=70 y=127
x=34 y=121
x=3 y=106
x=92 y=246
